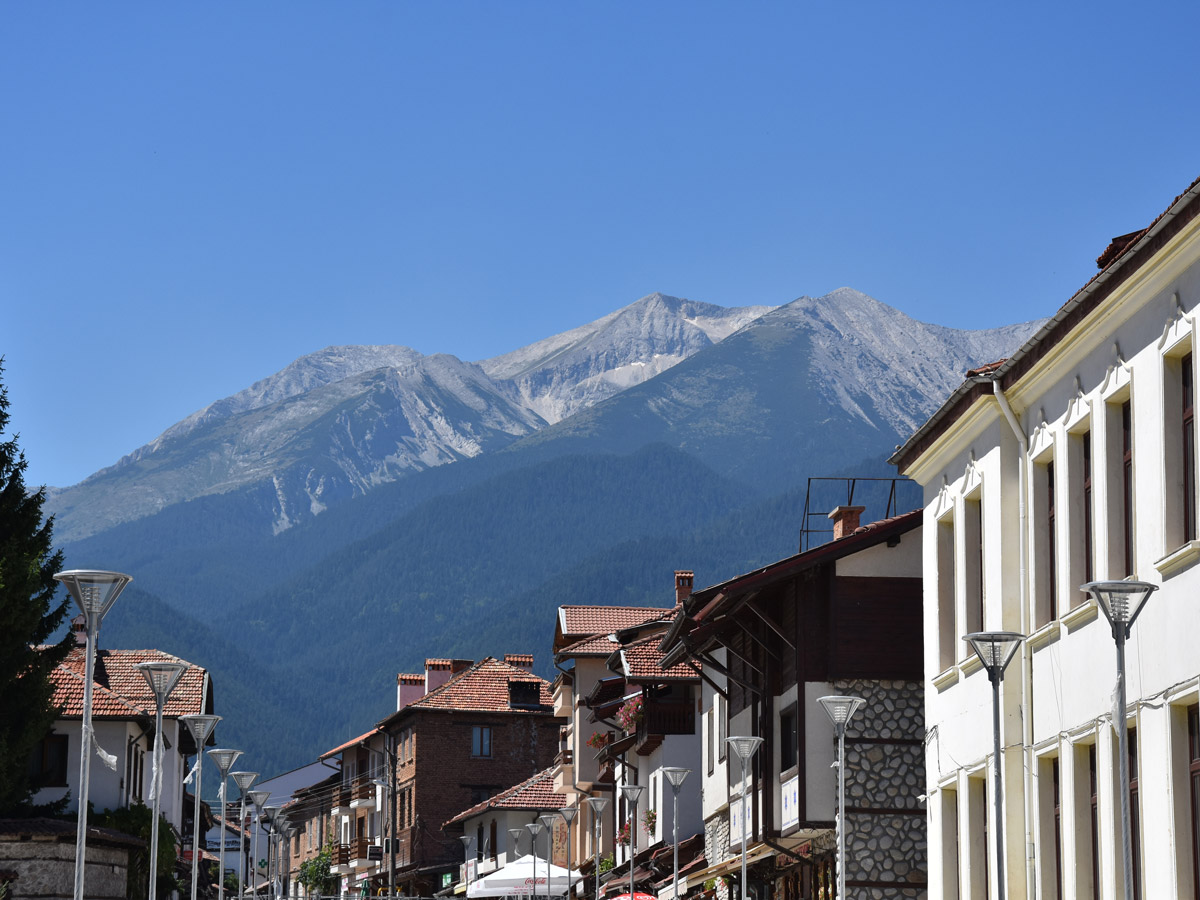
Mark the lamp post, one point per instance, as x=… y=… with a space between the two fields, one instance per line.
x=162 y=678
x=201 y=726
x=95 y=593
x=549 y=822
x=675 y=777
x=995 y=650
x=269 y=813
x=534 y=829
x=632 y=793
x=515 y=835
x=840 y=709
x=745 y=748
x=257 y=799
x=467 y=841
x=568 y=814
x=597 y=804
x=1122 y=602
x=224 y=760
x=243 y=780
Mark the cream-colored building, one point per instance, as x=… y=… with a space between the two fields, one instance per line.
x=1073 y=460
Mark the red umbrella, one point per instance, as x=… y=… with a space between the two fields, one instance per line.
x=637 y=896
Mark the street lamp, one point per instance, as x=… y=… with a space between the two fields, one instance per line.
x=269 y=813
x=534 y=829
x=162 y=678
x=632 y=793
x=745 y=748
x=569 y=813
x=675 y=776
x=257 y=799
x=224 y=760
x=840 y=709
x=514 y=835
x=995 y=650
x=597 y=804
x=201 y=726
x=243 y=780
x=94 y=593
x=548 y=821
x=1122 y=602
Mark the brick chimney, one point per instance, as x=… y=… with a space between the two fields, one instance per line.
x=845 y=520
x=683 y=584
x=409 y=687
x=79 y=629
x=437 y=673
x=520 y=660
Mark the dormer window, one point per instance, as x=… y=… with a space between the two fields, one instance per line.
x=524 y=694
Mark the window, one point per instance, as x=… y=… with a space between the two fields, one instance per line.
x=977 y=837
x=722 y=725
x=947 y=632
x=1127 y=486
x=1050 y=829
x=1045 y=570
x=492 y=838
x=973 y=560
x=711 y=732
x=1119 y=479
x=1179 y=446
x=1057 y=798
x=479 y=841
x=481 y=740
x=950 y=850
x=48 y=762
x=1080 y=532
x=1095 y=821
x=789 y=742
x=1135 y=830
x=1188 y=443
x=1193 y=726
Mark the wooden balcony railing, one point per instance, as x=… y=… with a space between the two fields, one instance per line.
x=340 y=855
x=668 y=718
x=359 y=848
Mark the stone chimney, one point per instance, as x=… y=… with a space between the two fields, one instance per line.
x=79 y=629
x=520 y=660
x=409 y=687
x=683 y=584
x=845 y=520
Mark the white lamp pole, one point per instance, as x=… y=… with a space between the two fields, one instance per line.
x=745 y=748
x=534 y=829
x=514 y=835
x=548 y=821
x=840 y=709
x=94 y=592
x=597 y=804
x=569 y=813
x=632 y=793
x=201 y=726
x=162 y=678
x=244 y=780
x=258 y=799
x=675 y=776
x=1122 y=602
x=224 y=760
x=269 y=813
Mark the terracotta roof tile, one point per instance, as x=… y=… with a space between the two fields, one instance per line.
x=534 y=793
x=586 y=620
x=596 y=645
x=119 y=690
x=643 y=663
x=350 y=743
x=484 y=686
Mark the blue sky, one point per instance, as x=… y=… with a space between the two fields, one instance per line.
x=193 y=195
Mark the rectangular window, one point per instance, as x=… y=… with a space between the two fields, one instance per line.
x=1188 y=442
x=1058 y=862
x=1079 y=535
x=1127 y=486
x=722 y=725
x=1193 y=726
x=1045 y=604
x=949 y=833
x=1049 y=829
x=1089 y=526
x=789 y=746
x=1119 y=518
x=1051 y=544
x=977 y=838
x=1093 y=781
x=947 y=630
x=481 y=740
x=712 y=737
x=48 y=762
x=1179 y=451
x=973 y=560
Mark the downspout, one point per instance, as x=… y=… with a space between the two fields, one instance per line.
x=1026 y=654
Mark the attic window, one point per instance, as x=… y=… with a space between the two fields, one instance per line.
x=524 y=693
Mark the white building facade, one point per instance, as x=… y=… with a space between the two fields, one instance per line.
x=1072 y=461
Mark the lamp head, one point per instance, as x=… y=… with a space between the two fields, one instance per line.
x=243 y=780
x=632 y=793
x=995 y=649
x=258 y=798
x=93 y=591
x=675 y=775
x=744 y=747
x=268 y=814
x=840 y=709
x=1121 y=601
x=201 y=726
x=224 y=759
x=162 y=677
x=597 y=804
x=568 y=814
x=535 y=828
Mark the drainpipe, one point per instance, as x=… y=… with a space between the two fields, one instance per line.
x=1026 y=653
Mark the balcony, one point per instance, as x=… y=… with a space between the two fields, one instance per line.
x=661 y=718
x=340 y=801
x=359 y=854
x=362 y=796
x=339 y=860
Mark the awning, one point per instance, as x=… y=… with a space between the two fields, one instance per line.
x=734 y=864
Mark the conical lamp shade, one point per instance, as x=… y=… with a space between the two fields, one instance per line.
x=995 y=649
x=258 y=798
x=224 y=759
x=243 y=780
x=840 y=709
x=94 y=591
x=162 y=677
x=201 y=726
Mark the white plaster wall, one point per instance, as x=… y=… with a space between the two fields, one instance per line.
x=714 y=787
x=882 y=561
x=820 y=752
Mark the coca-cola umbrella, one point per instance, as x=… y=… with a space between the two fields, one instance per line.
x=523 y=877
x=639 y=895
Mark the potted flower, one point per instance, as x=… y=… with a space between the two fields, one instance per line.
x=649 y=820
x=598 y=740
x=623 y=835
x=629 y=715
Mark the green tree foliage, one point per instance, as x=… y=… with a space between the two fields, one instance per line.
x=136 y=821
x=28 y=617
x=315 y=875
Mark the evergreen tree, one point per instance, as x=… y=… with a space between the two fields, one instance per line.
x=27 y=620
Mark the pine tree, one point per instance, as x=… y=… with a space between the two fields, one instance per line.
x=27 y=620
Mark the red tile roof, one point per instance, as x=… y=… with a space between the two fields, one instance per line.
x=534 y=793
x=579 y=621
x=484 y=686
x=350 y=743
x=596 y=645
x=642 y=662
x=119 y=689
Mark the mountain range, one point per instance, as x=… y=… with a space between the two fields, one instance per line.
x=366 y=507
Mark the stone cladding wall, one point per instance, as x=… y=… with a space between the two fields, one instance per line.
x=885 y=772
x=45 y=869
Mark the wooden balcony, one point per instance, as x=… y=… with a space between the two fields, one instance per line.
x=341 y=800
x=661 y=718
x=339 y=860
x=359 y=853
x=362 y=794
